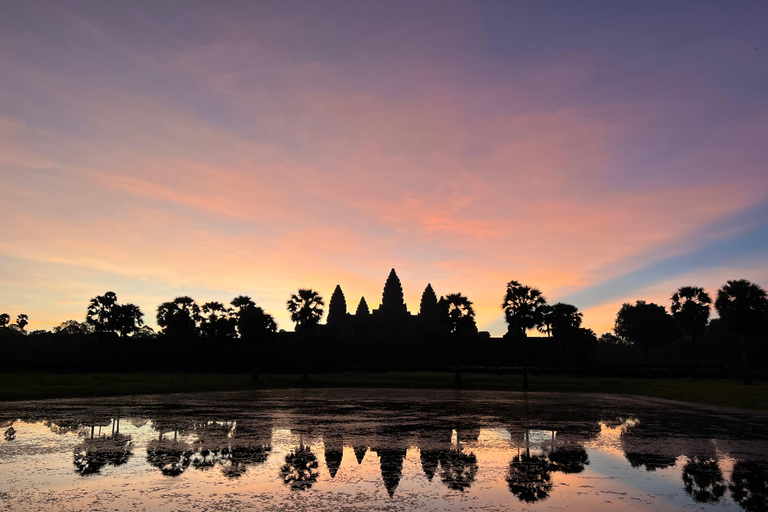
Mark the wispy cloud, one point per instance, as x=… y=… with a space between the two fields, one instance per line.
x=246 y=158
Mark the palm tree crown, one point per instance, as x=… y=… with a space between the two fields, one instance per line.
x=690 y=306
x=306 y=307
x=742 y=305
x=523 y=306
x=456 y=311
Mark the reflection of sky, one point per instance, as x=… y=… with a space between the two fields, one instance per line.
x=39 y=463
x=601 y=151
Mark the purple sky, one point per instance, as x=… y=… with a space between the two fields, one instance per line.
x=603 y=152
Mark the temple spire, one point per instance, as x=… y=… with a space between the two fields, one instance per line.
x=392 y=302
x=428 y=307
x=362 y=308
x=337 y=308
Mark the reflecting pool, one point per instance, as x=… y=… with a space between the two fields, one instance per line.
x=349 y=449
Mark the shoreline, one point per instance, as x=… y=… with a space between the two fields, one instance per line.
x=17 y=386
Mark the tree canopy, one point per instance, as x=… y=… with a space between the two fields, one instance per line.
x=742 y=305
x=646 y=325
x=106 y=315
x=179 y=317
x=456 y=313
x=523 y=306
x=306 y=308
x=690 y=307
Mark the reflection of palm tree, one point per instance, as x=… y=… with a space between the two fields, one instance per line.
x=93 y=454
x=529 y=478
x=62 y=427
x=642 y=451
x=96 y=452
x=749 y=485
x=171 y=457
x=300 y=469
x=212 y=439
x=250 y=445
x=238 y=458
x=650 y=461
x=306 y=309
x=703 y=480
x=10 y=434
x=569 y=460
x=458 y=469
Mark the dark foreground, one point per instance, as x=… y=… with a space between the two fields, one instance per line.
x=30 y=386
x=365 y=449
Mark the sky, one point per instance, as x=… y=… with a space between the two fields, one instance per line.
x=602 y=152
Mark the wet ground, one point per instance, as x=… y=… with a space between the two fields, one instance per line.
x=344 y=449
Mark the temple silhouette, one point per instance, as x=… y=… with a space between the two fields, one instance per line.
x=389 y=334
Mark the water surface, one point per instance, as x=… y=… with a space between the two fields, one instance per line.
x=340 y=449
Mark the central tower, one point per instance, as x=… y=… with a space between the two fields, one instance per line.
x=392 y=301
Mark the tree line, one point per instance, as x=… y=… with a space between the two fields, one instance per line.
x=443 y=333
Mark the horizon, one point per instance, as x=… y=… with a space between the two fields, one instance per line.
x=603 y=153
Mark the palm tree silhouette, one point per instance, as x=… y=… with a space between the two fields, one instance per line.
x=690 y=307
x=564 y=319
x=743 y=306
x=179 y=317
x=100 y=311
x=217 y=323
x=524 y=309
x=457 y=315
x=22 y=321
x=126 y=318
x=306 y=309
x=254 y=326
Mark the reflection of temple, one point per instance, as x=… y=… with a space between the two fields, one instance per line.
x=703 y=459
x=360 y=451
x=391 y=463
x=334 y=451
x=433 y=443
